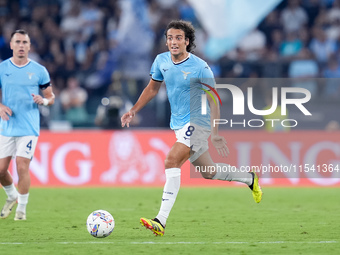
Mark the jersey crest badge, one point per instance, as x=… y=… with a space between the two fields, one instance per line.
x=30 y=75
x=185 y=74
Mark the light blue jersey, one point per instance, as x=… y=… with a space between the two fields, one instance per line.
x=184 y=88
x=17 y=86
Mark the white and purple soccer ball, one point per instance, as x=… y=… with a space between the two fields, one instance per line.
x=100 y=223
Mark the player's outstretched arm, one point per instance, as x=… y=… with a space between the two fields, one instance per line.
x=218 y=141
x=148 y=93
x=5 y=112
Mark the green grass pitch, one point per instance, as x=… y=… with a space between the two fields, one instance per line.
x=203 y=221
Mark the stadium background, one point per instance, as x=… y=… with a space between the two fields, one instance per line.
x=99 y=54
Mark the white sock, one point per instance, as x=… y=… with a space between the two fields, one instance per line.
x=11 y=192
x=225 y=172
x=170 y=191
x=22 y=202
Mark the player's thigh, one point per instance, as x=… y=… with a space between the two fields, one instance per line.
x=4 y=164
x=25 y=146
x=205 y=162
x=178 y=154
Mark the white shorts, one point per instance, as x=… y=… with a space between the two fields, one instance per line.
x=195 y=137
x=22 y=146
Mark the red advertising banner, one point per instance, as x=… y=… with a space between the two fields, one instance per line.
x=136 y=158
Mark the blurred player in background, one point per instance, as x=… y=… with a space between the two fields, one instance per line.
x=184 y=75
x=20 y=81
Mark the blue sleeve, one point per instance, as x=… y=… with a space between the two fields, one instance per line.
x=44 y=81
x=155 y=72
x=207 y=76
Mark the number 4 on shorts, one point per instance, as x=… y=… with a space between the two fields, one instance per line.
x=29 y=145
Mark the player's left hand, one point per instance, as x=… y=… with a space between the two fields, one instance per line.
x=127 y=118
x=220 y=144
x=37 y=99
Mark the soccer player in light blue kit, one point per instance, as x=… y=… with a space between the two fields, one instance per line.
x=20 y=81
x=185 y=76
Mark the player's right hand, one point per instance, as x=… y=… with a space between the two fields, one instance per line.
x=5 y=112
x=127 y=117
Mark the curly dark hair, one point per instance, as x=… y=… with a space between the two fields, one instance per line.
x=188 y=29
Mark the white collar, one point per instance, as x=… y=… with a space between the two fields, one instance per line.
x=29 y=60
x=176 y=63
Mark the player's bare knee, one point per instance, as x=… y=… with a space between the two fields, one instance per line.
x=23 y=164
x=3 y=173
x=168 y=163
x=171 y=162
x=22 y=171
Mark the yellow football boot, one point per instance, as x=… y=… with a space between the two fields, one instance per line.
x=255 y=188
x=156 y=227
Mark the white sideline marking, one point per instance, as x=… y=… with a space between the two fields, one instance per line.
x=138 y=243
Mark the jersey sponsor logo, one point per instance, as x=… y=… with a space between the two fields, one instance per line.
x=185 y=74
x=30 y=75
